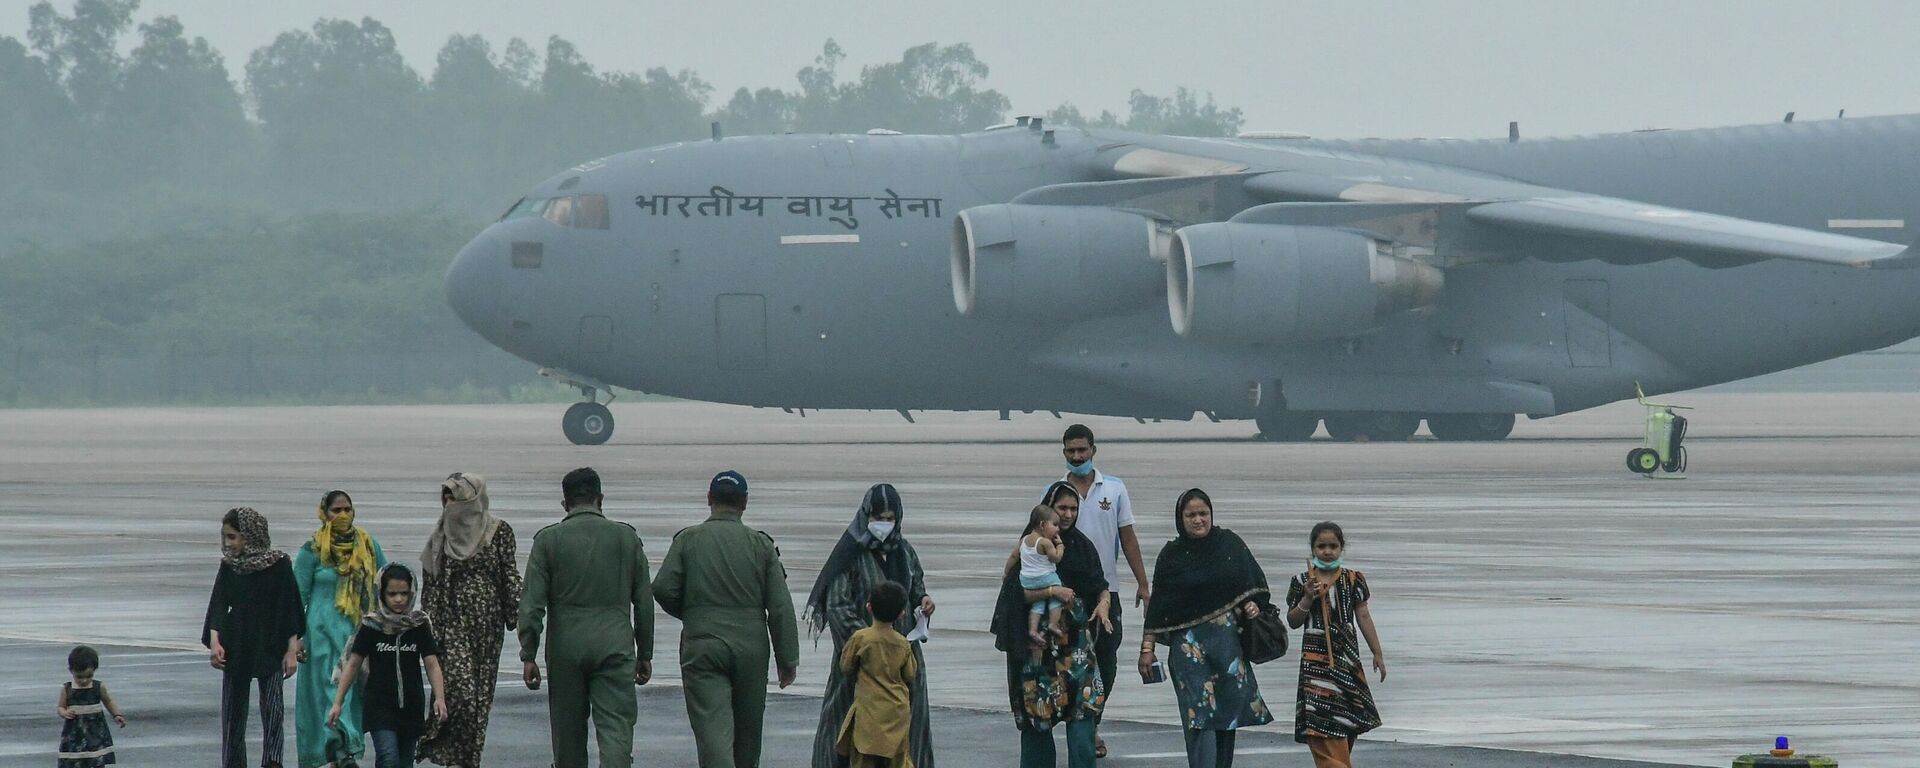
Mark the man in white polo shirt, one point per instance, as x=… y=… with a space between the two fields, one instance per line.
x=1106 y=517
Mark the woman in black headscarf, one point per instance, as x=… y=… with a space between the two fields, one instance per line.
x=1205 y=582
x=1064 y=686
x=873 y=549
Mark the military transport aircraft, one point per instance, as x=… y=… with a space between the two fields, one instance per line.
x=1367 y=284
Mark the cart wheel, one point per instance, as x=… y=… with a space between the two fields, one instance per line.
x=1678 y=462
x=1643 y=461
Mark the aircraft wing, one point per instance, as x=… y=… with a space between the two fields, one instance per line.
x=1607 y=222
x=1471 y=216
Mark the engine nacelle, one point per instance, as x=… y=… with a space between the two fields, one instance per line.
x=1018 y=261
x=1278 y=283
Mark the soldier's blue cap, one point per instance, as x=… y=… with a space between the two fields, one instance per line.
x=730 y=482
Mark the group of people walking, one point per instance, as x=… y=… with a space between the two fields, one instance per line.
x=414 y=667
x=1205 y=589
x=339 y=607
x=364 y=634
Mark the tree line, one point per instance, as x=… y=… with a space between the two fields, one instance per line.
x=334 y=118
x=158 y=194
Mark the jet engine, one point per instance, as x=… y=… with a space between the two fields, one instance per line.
x=1278 y=283
x=1018 y=261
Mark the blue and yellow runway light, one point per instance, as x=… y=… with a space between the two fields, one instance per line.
x=1782 y=756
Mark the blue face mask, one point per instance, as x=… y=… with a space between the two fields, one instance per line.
x=1080 y=470
x=1326 y=566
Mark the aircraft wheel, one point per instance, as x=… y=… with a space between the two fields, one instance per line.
x=1643 y=461
x=1372 y=426
x=1287 y=426
x=587 y=424
x=1470 y=427
x=1676 y=463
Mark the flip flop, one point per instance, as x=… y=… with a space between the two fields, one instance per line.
x=1099 y=747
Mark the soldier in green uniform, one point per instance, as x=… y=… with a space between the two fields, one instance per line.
x=591 y=573
x=724 y=581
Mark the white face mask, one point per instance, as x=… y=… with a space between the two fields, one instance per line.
x=880 y=529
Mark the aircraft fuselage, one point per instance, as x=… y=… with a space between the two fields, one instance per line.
x=813 y=272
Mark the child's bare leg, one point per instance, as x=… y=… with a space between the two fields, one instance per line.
x=1033 y=628
x=1053 y=622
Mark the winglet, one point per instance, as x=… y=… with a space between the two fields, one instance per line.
x=1906 y=259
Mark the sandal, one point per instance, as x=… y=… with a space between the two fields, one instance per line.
x=1099 y=747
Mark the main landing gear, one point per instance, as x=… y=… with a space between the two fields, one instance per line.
x=1287 y=426
x=1372 y=426
x=1470 y=427
x=588 y=423
x=1383 y=426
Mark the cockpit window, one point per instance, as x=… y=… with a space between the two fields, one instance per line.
x=560 y=211
x=578 y=211
x=590 y=212
x=528 y=206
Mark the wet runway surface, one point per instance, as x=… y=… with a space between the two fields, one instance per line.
x=1533 y=597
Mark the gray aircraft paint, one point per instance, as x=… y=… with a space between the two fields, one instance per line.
x=772 y=308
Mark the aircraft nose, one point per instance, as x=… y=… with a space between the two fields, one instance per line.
x=473 y=285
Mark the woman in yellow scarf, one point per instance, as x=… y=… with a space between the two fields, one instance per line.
x=335 y=571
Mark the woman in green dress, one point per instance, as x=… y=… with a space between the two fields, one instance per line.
x=335 y=571
x=1205 y=582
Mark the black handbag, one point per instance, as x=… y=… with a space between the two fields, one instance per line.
x=1263 y=638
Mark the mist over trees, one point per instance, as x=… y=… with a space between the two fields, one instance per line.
x=161 y=192
x=333 y=118
x=1182 y=114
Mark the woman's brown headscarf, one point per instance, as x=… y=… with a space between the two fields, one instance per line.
x=465 y=524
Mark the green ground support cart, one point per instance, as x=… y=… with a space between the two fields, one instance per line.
x=1662 y=456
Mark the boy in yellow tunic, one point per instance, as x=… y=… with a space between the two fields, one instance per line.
x=881 y=663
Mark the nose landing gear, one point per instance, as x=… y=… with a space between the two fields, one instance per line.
x=588 y=423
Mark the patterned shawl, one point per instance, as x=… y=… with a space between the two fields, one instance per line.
x=388 y=622
x=256 y=545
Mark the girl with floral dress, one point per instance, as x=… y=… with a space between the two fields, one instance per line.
x=85 y=741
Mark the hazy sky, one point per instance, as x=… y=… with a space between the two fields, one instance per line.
x=1329 y=68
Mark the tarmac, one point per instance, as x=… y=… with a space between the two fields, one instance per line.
x=1537 y=602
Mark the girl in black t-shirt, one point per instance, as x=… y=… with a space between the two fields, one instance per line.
x=394 y=643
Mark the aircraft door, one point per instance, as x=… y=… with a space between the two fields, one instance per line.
x=740 y=331
x=1589 y=323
